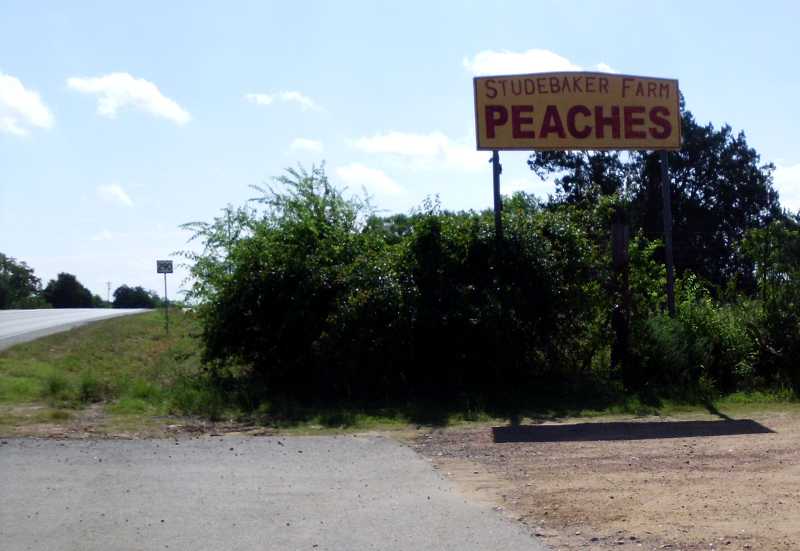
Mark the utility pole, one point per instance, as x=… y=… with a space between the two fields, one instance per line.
x=108 y=292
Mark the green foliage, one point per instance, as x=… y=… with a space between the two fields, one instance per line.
x=706 y=347
x=67 y=292
x=775 y=250
x=320 y=299
x=19 y=288
x=720 y=191
x=135 y=297
x=90 y=388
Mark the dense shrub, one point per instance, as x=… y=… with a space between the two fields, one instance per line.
x=319 y=300
x=315 y=298
x=775 y=249
x=706 y=345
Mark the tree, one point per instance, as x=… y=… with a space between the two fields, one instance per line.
x=19 y=288
x=67 y=292
x=720 y=189
x=135 y=297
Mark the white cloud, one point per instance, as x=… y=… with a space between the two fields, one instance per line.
x=113 y=193
x=104 y=235
x=505 y=62
x=787 y=182
x=302 y=100
x=259 y=99
x=117 y=91
x=605 y=68
x=304 y=144
x=21 y=108
x=374 y=180
x=424 y=149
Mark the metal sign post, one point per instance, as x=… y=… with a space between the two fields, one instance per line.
x=165 y=267
x=665 y=193
x=497 y=169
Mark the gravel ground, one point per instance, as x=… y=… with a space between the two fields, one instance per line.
x=232 y=493
x=685 y=484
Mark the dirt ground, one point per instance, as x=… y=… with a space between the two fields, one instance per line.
x=691 y=483
x=94 y=422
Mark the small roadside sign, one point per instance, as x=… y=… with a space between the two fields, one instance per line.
x=164 y=266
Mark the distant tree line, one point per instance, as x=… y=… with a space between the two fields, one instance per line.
x=21 y=289
x=309 y=295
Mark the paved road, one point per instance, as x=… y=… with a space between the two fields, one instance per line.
x=26 y=325
x=223 y=493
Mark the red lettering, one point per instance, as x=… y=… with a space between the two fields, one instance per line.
x=631 y=121
x=658 y=117
x=625 y=83
x=541 y=85
x=492 y=93
x=572 y=127
x=496 y=115
x=530 y=86
x=517 y=120
x=554 y=87
x=601 y=121
x=590 y=85
x=604 y=85
x=552 y=123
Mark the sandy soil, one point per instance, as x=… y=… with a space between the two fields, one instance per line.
x=688 y=483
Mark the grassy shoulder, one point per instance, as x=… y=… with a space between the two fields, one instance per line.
x=126 y=367
x=127 y=376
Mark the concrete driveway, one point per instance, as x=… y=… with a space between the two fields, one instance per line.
x=225 y=493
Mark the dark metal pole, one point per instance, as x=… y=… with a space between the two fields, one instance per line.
x=497 y=169
x=498 y=274
x=665 y=192
x=166 y=302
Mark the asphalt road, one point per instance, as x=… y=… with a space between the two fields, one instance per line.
x=25 y=325
x=223 y=493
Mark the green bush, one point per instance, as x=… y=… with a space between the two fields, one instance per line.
x=318 y=299
x=315 y=298
x=57 y=387
x=90 y=389
x=706 y=345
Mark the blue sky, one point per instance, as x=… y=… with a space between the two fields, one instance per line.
x=120 y=121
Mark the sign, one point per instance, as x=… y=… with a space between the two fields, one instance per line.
x=577 y=110
x=164 y=266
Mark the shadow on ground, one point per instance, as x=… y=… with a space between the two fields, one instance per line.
x=591 y=432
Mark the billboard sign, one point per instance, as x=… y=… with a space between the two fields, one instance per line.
x=576 y=110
